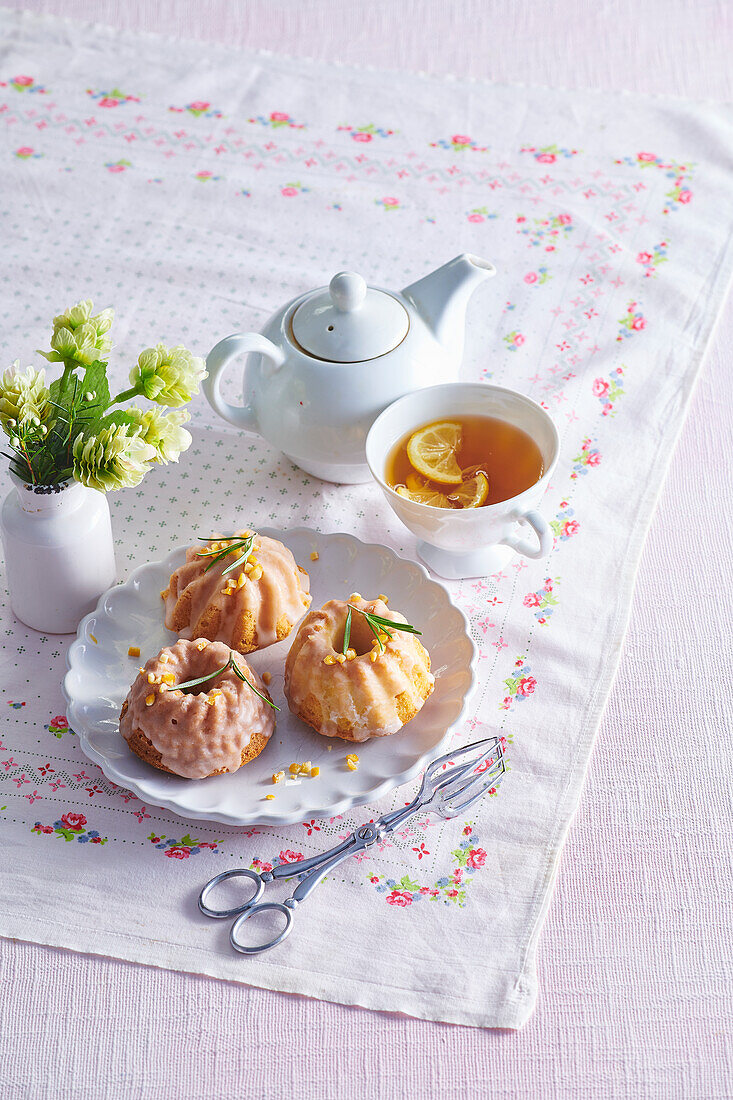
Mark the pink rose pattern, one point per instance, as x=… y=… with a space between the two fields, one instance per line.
x=514 y=340
x=543 y=601
x=198 y=108
x=365 y=134
x=185 y=847
x=58 y=726
x=632 y=321
x=608 y=391
x=458 y=143
x=519 y=686
x=549 y=154
x=290 y=190
x=545 y=233
x=24 y=83
x=650 y=261
x=115 y=98
x=277 y=120
x=680 y=193
x=480 y=214
x=468 y=858
x=70 y=826
x=589 y=457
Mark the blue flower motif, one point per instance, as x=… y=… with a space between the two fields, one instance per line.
x=84 y=839
x=442 y=882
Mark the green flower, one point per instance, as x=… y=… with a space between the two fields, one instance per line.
x=79 y=337
x=163 y=431
x=168 y=376
x=113 y=459
x=81 y=314
x=23 y=396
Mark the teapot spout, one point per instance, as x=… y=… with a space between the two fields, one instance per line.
x=441 y=298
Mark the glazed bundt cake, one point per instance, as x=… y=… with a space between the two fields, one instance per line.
x=208 y=728
x=371 y=690
x=249 y=606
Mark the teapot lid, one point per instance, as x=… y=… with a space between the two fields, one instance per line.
x=348 y=321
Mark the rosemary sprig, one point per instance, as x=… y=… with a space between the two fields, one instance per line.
x=231 y=663
x=379 y=625
x=234 y=543
x=347 y=631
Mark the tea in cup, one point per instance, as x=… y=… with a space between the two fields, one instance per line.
x=464 y=466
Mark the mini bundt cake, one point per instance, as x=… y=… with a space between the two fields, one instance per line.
x=370 y=691
x=202 y=730
x=250 y=606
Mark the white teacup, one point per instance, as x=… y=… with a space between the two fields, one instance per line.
x=470 y=542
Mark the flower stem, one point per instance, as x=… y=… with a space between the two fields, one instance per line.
x=125 y=395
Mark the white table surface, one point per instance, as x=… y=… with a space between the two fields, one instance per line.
x=636 y=956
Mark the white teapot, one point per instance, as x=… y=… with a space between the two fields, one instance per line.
x=327 y=363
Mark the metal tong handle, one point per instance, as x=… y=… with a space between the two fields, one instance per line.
x=315 y=870
x=363 y=837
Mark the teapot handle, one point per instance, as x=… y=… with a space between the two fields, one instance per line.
x=218 y=359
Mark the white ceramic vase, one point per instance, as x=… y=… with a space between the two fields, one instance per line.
x=59 y=553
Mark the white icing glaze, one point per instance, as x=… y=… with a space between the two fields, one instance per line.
x=194 y=738
x=360 y=693
x=282 y=590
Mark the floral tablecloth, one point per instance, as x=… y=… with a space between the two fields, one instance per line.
x=196 y=194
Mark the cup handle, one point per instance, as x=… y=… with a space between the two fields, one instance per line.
x=542 y=530
x=218 y=359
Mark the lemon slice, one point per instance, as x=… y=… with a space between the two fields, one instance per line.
x=415 y=482
x=472 y=493
x=432 y=452
x=424 y=496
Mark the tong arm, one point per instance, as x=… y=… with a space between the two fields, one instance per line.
x=290 y=870
x=395 y=818
x=361 y=838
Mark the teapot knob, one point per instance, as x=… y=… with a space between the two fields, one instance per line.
x=348 y=291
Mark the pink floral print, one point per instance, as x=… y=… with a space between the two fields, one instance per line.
x=589 y=456
x=650 y=261
x=366 y=133
x=70 y=826
x=198 y=108
x=459 y=143
x=632 y=321
x=469 y=858
x=24 y=84
x=543 y=601
x=548 y=154
x=115 y=98
x=185 y=847
x=609 y=390
x=276 y=120
x=545 y=232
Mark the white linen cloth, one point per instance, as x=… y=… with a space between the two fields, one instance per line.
x=146 y=234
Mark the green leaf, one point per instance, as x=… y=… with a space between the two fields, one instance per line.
x=347 y=631
x=120 y=416
x=95 y=381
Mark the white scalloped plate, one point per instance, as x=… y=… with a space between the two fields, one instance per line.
x=100 y=674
